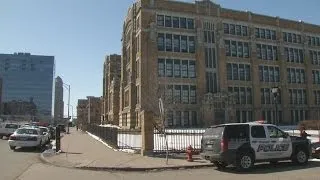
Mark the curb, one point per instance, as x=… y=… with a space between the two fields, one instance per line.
x=142 y=169
x=44 y=160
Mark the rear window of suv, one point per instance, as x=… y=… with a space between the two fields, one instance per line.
x=215 y=132
x=237 y=132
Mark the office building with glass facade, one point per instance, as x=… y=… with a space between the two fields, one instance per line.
x=27 y=85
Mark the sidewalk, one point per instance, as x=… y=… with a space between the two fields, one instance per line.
x=83 y=151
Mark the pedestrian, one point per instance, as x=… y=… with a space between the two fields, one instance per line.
x=303 y=132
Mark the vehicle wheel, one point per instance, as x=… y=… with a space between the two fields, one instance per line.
x=12 y=147
x=219 y=165
x=301 y=156
x=244 y=161
x=1 y=137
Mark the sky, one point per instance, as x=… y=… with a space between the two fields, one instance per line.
x=80 y=33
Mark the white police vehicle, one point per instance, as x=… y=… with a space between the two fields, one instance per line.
x=243 y=144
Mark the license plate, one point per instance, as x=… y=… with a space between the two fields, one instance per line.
x=209 y=146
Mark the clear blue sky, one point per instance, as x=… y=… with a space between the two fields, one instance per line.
x=79 y=33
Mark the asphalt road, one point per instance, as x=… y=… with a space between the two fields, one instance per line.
x=25 y=165
x=13 y=164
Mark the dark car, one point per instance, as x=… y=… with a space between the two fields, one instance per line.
x=243 y=144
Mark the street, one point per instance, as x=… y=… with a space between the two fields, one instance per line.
x=25 y=165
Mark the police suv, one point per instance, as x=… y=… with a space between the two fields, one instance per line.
x=243 y=144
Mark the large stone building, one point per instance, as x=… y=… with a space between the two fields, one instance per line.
x=89 y=111
x=58 y=101
x=111 y=87
x=211 y=65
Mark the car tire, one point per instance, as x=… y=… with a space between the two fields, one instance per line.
x=244 y=161
x=1 y=137
x=12 y=147
x=219 y=165
x=301 y=156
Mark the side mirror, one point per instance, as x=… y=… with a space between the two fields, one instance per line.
x=44 y=133
x=286 y=135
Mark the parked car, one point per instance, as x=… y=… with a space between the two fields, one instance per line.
x=7 y=129
x=26 y=137
x=46 y=134
x=243 y=144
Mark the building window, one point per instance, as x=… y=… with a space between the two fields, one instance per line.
x=295 y=75
x=273 y=35
x=177 y=94
x=235 y=72
x=240 y=49
x=183 y=23
x=269 y=74
x=170 y=118
x=233 y=48
x=298 y=96
x=193 y=95
x=169 y=94
x=316 y=76
x=186 y=119
x=177 y=71
x=175 y=22
x=126 y=98
x=176 y=43
x=184 y=69
x=160 y=20
x=160 y=42
x=229 y=71
x=210 y=57
x=184 y=44
x=241 y=72
x=169 y=68
x=232 y=29
x=226 y=28
x=238 y=30
x=161 y=67
x=227 y=47
x=190 y=23
x=168 y=42
x=244 y=31
x=177 y=118
x=211 y=82
x=168 y=21
x=192 y=69
x=194 y=118
x=185 y=94
x=246 y=50
x=191 y=44
x=316 y=95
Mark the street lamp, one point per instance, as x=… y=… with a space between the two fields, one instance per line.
x=276 y=92
x=67 y=86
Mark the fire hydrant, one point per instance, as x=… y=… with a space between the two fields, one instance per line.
x=189 y=153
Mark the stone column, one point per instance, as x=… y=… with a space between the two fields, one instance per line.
x=146 y=133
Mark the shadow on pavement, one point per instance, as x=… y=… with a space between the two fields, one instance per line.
x=269 y=168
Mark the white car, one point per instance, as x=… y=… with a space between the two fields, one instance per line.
x=26 y=137
x=7 y=129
